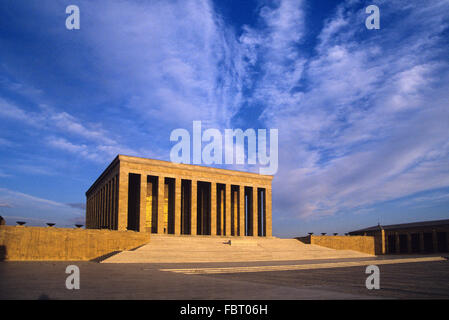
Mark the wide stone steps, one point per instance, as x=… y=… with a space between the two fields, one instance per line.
x=180 y=249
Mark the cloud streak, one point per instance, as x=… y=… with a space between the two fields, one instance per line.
x=34 y=209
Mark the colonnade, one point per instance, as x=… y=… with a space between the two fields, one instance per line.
x=167 y=205
x=102 y=206
x=154 y=196
x=419 y=241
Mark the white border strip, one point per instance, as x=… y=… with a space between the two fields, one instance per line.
x=300 y=266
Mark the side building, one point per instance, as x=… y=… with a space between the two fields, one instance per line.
x=148 y=195
x=416 y=237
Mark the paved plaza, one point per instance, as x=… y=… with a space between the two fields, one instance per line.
x=408 y=280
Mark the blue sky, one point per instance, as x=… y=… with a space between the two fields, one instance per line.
x=363 y=115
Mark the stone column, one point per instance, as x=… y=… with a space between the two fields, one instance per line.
x=242 y=210
x=268 y=212
x=111 y=205
x=143 y=203
x=108 y=204
x=93 y=210
x=193 y=212
x=255 y=211
x=92 y=218
x=102 y=208
x=384 y=241
x=178 y=206
x=94 y=222
x=213 y=208
x=103 y=205
x=90 y=212
x=123 y=200
x=114 y=203
x=160 y=204
x=98 y=209
x=228 y=209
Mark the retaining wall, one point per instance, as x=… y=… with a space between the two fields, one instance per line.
x=365 y=244
x=51 y=244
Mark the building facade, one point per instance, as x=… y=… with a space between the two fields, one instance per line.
x=162 y=197
x=409 y=238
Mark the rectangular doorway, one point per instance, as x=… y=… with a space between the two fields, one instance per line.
x=249 y=211
x=403 y=243
x=169 y=206
x=415 y=243
x=186 y=205
x=203 y=208
x=442 y=241
x=428 y=242
x=391 y=243
x=151 y=204
x=133 y=201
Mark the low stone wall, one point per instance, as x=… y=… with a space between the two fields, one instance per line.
x=365 y=244
x=52 y=244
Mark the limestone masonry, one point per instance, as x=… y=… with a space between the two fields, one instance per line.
x=19 y=243
x=162 y=197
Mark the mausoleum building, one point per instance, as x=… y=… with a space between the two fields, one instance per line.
x=162 y=197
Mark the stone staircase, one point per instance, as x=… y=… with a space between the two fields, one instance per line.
x=185 y=249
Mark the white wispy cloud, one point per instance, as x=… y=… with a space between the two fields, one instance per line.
x=164 y=65
x=272 y=48
x=99 y=145
x=372 y=115
x=179 y=54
